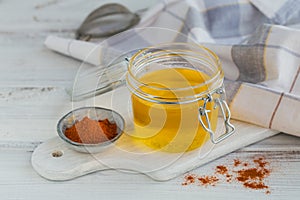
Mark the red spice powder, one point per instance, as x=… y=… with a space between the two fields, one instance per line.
x=251 y=176
x=260 y=162
x=221 y=169
x=228 y=178
x=237 y=162
x=189 y=179
x=254 y=177
x=90 y=131
x=208 y=180
x=255 y=185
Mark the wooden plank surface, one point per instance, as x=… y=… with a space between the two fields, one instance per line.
x=33 y=83
x=20 y=181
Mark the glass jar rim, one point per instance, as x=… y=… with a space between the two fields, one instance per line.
x=218 y=74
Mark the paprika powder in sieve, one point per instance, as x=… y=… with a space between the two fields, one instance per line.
x=90 y=131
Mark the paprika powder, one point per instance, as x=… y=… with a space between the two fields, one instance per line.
x=90 y=131
x=250 y=175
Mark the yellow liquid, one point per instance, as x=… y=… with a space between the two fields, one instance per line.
x=171 y=127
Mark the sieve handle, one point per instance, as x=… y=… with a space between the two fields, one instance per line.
x=203 y=112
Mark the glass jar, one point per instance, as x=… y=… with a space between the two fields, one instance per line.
x=177 y=94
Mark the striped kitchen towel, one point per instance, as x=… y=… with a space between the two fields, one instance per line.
x=257 y=41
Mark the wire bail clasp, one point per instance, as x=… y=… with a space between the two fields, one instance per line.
x=230 y=129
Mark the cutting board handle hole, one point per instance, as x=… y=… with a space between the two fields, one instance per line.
x=57 y=154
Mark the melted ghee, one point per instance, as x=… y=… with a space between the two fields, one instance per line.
x=171 y=127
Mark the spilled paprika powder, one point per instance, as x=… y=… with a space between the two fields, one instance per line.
x=90 y=131
x=250 y=175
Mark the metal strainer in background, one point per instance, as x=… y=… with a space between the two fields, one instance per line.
x=107 y=20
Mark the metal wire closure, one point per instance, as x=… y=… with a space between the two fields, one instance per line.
x=203 y=111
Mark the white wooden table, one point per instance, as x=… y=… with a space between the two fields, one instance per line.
x=32 y=98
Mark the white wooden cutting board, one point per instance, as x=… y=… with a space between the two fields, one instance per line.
x=131 y=157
